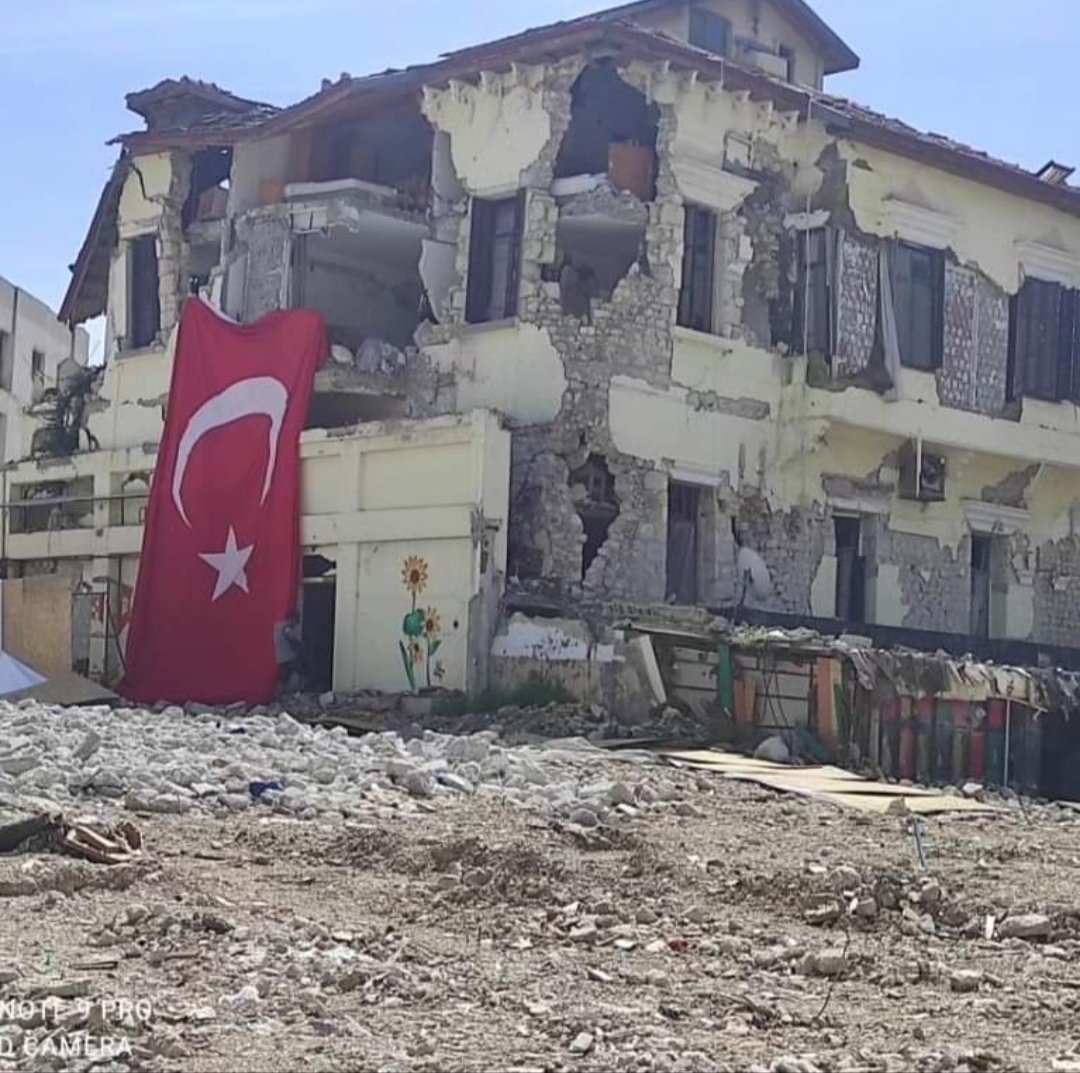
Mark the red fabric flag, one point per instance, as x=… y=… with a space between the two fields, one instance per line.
x=220 y=564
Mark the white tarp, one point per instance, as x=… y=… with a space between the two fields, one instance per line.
x=14 y=676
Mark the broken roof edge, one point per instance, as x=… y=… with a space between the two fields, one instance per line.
x=851 y=122
x=104 y=218
x=185 y=85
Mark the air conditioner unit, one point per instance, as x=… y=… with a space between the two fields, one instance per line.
x=922 y=474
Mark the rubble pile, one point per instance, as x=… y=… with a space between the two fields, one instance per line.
x=174 y=762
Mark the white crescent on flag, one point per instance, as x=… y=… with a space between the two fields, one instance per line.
x=256 y=396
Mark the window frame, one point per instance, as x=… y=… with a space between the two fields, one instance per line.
x=484 y=239
x=697 y=298
x=899 y=252
x=820 y=301
x=138 y=335
x=702 y=19
x=1044 y=343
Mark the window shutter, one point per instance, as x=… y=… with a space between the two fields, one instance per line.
x=812 y=311
x=1038 y=338
x=478 y=295
x=699 y=252
x=900 y=277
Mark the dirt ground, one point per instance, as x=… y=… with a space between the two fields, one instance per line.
x=472 y=935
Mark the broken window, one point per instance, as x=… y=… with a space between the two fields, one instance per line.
x=494 y=259
x=144 y=304
x=684 y=511
x=850 y=570
x=812 y=329
x=7 y=360
x=37 y=374
x=710 y=31
x=600 y=237
x=612 y=132
x=593 y=490
x=981 y=549
x=1044 y=342
x=699 y=269
x=391 y=150
x=918 y=285
x=365 y=280
x=208 y=196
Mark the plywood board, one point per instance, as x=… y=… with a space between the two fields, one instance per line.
x=37 y=622
x=827 y=783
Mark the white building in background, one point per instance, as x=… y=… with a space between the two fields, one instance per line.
x=33 y=347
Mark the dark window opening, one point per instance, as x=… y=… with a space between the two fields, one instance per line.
x=597 y=506
x=208 y=196
x=145 y=309
x=312 y=660
x=1044 y=342
x=787 y=54
x=918 y=286
x=393 y=149
x=850 y=570
x=699 y=269
x=37 y=374
x=612 y=132
x=494 y=259
x=812 y=329
x=684 y=512
x=981 y=549
x=710 y=31
x=7 y=360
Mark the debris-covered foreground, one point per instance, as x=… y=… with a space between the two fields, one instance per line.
x=303 y=899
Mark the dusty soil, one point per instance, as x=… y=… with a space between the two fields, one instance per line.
x=472 y=935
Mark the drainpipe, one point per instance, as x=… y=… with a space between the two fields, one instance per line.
x=918 y=466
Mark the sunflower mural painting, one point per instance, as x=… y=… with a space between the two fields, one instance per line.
x=421 y=627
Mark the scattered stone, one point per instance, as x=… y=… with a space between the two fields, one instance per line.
x=824 y=963
x=582 y=1043
x=417 y=783
x=1024 y=926
x=774 y=749
x=455 y=782
x=88 y=746
x=971 y=789
x=965 y=980
x=584 y=817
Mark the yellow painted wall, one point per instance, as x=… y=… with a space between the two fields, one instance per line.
x=497 y=128
x=371 y=499
x=512 y=368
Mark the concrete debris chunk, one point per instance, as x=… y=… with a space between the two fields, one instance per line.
x=1024 y=926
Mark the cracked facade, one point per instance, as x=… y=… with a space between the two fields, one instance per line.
x=755 y=347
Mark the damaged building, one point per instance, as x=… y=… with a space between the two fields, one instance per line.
x=626 y=311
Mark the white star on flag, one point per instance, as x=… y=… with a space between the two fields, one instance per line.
x=229 y=565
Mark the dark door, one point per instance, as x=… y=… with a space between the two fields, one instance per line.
x=317 y=627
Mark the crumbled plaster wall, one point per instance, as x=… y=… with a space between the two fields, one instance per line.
x=585 y=386
x=976 y=350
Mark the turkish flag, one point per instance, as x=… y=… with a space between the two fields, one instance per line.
x=220 y=564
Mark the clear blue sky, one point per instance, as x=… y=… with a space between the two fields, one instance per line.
x=993 y=73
